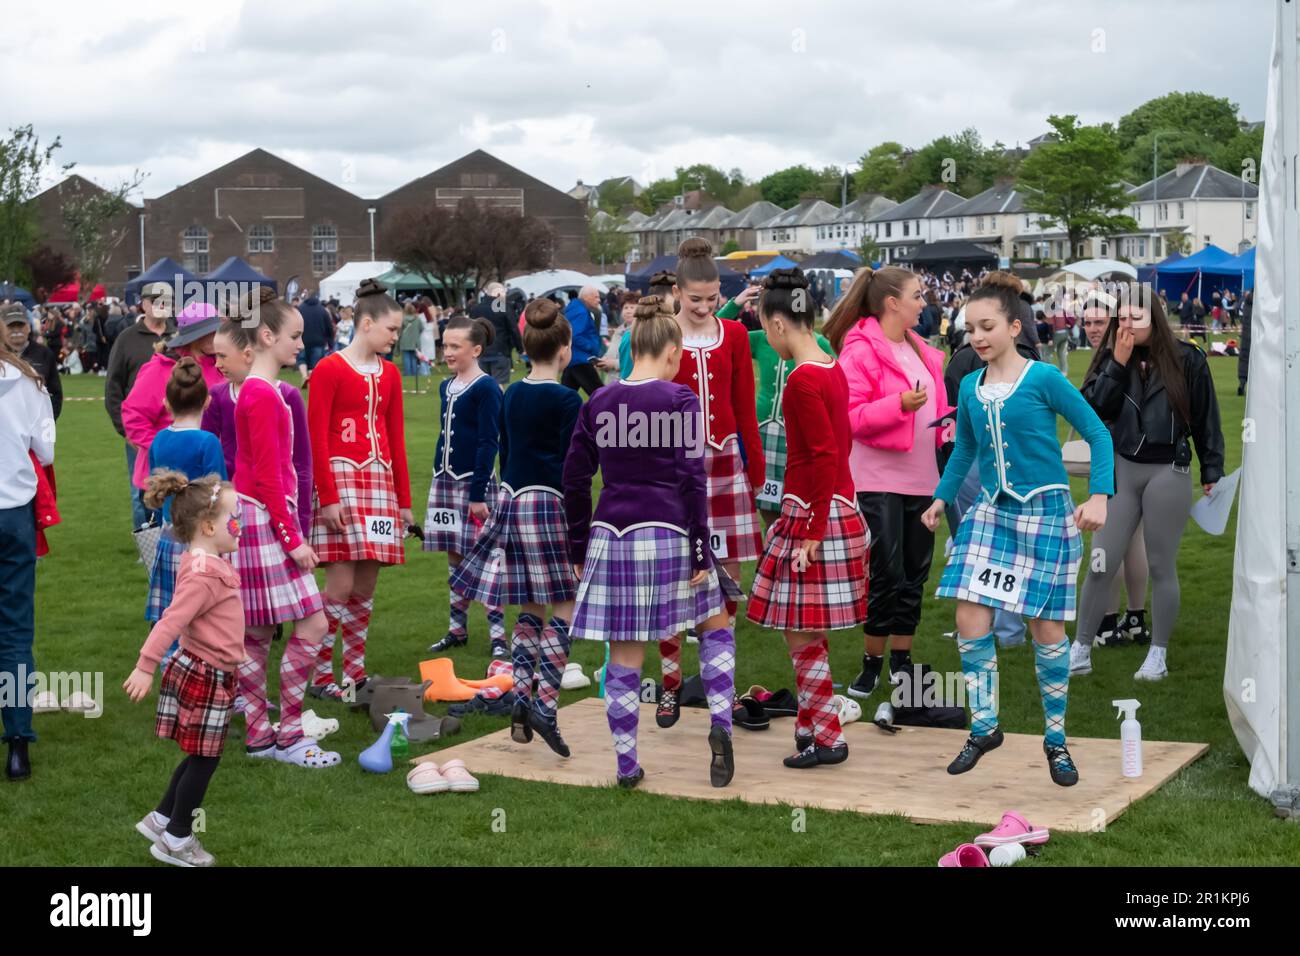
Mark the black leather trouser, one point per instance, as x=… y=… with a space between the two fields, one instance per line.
x=901 y=551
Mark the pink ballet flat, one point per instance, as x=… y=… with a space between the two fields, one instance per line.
x=1013 y=829
x=968 y=854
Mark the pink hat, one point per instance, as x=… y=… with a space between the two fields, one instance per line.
x=194 y=322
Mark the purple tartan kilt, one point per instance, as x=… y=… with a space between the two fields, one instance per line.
x=635 y=587
x=274 y=589
x=522 y=555
x=162 y=579
x=446 y=492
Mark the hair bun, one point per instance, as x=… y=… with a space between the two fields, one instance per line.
x=786 y=279
x=664 y=277
x=371 y=287
x=187 y=371
x=540 y=314
x=266 y=294
x=695 y=248
x=654 y=305
x=1004 y=280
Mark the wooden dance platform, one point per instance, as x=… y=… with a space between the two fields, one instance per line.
x=902 y=774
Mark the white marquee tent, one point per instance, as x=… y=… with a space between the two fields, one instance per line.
x=342 y=285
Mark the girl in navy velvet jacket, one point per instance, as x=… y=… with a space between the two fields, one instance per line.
x=1018 y=548
x=463 y=469
x=522 y=556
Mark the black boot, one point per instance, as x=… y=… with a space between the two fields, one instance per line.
x=1060 y=765
x=19 y=765
x=973 y=749
x=722 y=763
x=866 y=682
x=521 y=732
x=1110 y=633
x=815 y=755
x=900 y=666
x=1135 y=623
x=548 y=728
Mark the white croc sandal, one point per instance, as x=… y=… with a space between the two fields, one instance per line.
x=425 y=778
x=849 y=708
x=46 y=702
x=318 y=727
x=79 y=702
x=574 y=678
x=307 y=753
x=458 y=778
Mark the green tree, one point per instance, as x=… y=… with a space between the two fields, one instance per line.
x=868 y=249
x=1189 y=124
x=880 y=169
x=728 y=247
x=960 y=161
x=23 y=163
x=607 y=244
x=94 y=221
x=617 y=199
x=1242 y=154
x=785 y=187
x=1074 y=182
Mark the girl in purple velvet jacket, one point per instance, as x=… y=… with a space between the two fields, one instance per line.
x=644 y=560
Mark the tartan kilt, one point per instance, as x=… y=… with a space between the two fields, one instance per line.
x=446 y=492
x=522 y=555
x=194 y=705
x=162 y=579
x=831 y=594
x=731 y=502
x=635 y=587
x=366 y=493
x=1036 y=539
x=772 y=434
x=273 y=587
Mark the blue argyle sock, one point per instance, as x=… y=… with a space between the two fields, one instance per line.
x=979 y=664
x=1052 y=665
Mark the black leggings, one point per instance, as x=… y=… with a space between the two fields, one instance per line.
x=185 y=793
x=901 y=551
x=582 y=376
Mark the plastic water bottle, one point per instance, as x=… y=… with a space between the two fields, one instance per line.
x=1130 y=735
x=397 y=744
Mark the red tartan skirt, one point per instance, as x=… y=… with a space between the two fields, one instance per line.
x=831 y=594
x=194 y=705
x=272 y=586
x=372 y=529
x=731 y=503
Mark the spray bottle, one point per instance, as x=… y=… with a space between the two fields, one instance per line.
x=1130 y=735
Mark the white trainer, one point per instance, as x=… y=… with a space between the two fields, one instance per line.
x=188 y=854
x=1153 y=668
x=1080 y=659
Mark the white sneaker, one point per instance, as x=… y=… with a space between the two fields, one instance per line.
x=188 y=854
x=1153 y=668
x=1080 y=659
x=574 y=678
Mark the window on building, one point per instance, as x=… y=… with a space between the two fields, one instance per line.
x=979 y=224
x=261 y=238
x=993 y=223
x=887 y=229
x=947 y=226
x=907 y=231
x=1142 y=248
x=1162 y=210
x=1182 y=211
x=1105 y=248
x=194 y=249
x=1026 y=222
x=1250 y=210
x=324 y=250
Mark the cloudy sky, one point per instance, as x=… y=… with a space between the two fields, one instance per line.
x=373 y=94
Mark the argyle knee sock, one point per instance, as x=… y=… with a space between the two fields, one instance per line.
x=718 y=674
x=496 y=624
x=553 y=656
x=523 y=653
x=812 y=677
x=622 y=707
x=979 y=664
x=457 y=624
x=252 y=687
x=295 y=667
x=670 y=661
x=356 y=628
x=324 y=670
x=1052 y=665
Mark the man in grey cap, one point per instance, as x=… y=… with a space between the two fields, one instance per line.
x=131 y=350
x=18 y=333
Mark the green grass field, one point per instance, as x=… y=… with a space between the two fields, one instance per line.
x=94 y=778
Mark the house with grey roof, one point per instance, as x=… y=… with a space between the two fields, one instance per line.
x=795 y=229
x=1196 y=199
x=925 y=217
x=846 y=230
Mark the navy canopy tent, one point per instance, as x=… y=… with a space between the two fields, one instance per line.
x=236 y=269
x=16 y=293
x=841 y=259
x=733 y=283
x=951 y=254
x=166 y=270
x=780 y=262
x=1209 y=270
x=1148 y=273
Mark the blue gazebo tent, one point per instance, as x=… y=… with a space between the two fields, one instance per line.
x=1148 y=273
x=166 y=270
x=236 y=269
x=16 y=293
x=733 y=283
x=1201 y=273
x=780 y=262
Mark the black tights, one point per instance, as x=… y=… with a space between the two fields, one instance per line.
x=185 y=793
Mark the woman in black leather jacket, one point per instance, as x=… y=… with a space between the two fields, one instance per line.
x=1157 y=396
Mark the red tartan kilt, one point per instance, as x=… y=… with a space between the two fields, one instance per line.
x=831 y=594
x=368 y=498
x=194 y=705
x=731 y=502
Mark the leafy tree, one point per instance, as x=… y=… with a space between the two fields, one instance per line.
x=94 y=221
x=1188 y=124
x=607 y=244
x=23 y=163
x=785 y=186
x=1242 y=154
x=728 y=247
x=869 y=249
x=880 y=169
x=47 y=269
x=1074 y=182
x=617 y=198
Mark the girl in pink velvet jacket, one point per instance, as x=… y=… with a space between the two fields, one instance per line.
x=896 y=394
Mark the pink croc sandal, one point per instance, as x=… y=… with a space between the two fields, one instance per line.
x=426 y=778
x=968 y=854
x=458 y=777
x=1013 y=829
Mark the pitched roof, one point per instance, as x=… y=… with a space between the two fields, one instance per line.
x=753 y=215
x=1195 y=181
x=997 y=199
x=864 y=207
x=930 y=202
x=810 y=212
x=713 y=219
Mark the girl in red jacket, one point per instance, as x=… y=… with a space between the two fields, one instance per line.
x=717 y=366
x=274 y=563
x=812 y=577
x=363 y=492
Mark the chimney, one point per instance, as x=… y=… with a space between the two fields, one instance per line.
x=1186 y=165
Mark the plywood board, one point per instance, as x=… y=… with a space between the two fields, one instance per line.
x=903 y=774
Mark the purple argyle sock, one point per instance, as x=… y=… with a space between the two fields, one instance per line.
x=718 y=672
x=622 y=703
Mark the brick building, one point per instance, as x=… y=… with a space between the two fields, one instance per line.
x=124 y=231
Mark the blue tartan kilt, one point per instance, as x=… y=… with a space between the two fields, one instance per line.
x=162 y=579
x=1029 y=551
